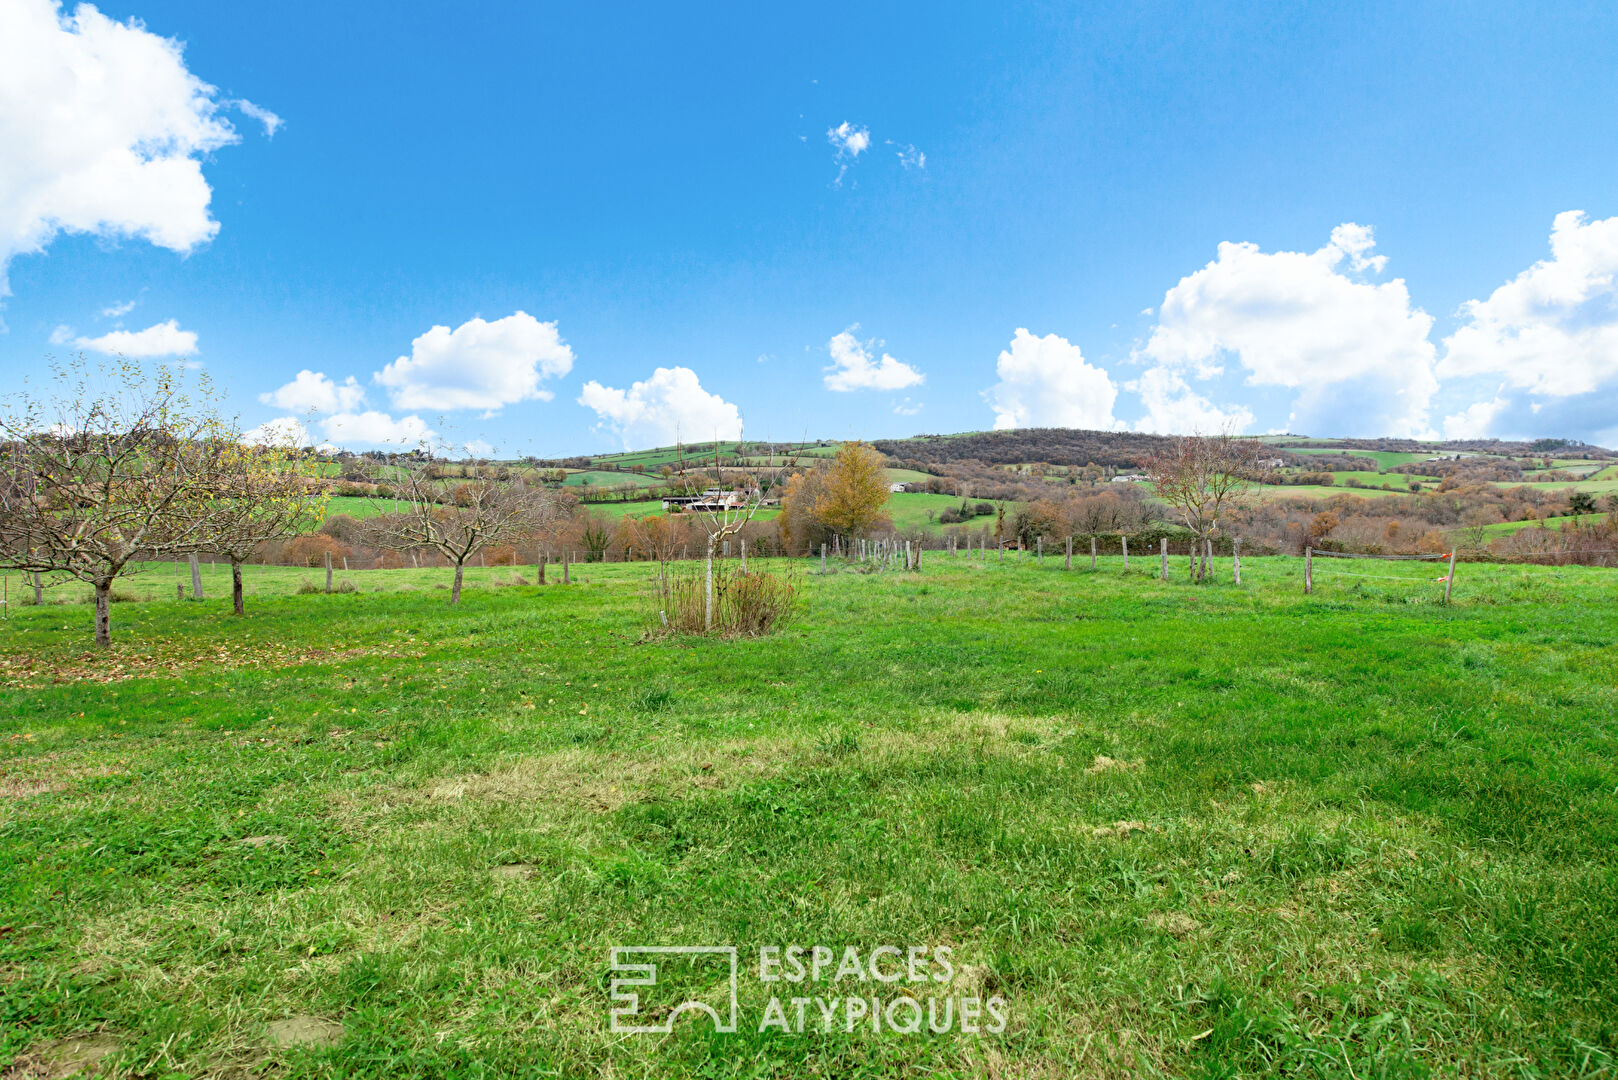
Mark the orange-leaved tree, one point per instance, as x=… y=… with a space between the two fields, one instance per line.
x=854 y=491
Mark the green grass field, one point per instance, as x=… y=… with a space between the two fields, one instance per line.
x=1179 y=831
x=1321 y=491
x=1505 y=528
x=608 y=478
x=1385 y=459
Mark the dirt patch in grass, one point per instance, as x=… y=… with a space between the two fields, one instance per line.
x=305 y=1031
x=31 y=672
x=602 y=783
x=26 y=787
x=78 y=1056
x=1175 y=923
x=1120 y=829
x=1103 y=764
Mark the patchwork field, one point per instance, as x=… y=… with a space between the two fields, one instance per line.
x=1179 y=831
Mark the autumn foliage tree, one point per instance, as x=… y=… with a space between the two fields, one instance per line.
x=845 y=497
x=855 y=491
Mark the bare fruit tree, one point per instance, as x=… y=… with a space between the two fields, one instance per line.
x=458 y=517
x=267 y=491
x=113 y=466
x=1202 y=477
x=659 y=535
x=723 y=504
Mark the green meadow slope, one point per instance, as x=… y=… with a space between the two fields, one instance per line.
x=1178 y=830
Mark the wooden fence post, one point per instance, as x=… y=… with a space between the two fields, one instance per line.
x=1308 y=570
x=179 y=592
x=1092 y=553
x=540 y=568
x=744 y=555
x=1449 y=581
x=345 y=564
x=567 y=559
x=1039 y=552
x=1236 y=558
x=1164 y=574
x=196 y=578
x=1067 y=562
x=822 y=558
x=328 y=571
x=1124 y=540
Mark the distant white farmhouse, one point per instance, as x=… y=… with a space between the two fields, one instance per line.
x=895 y=487
x=1129 y=478
x=712 y=499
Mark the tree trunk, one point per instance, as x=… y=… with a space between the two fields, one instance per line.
x=236 y=586
x=542 y=560
x=455 y=590
x=196 y=578
x=39 y=588
x=104 y=613
x=707 y=590
x=328 y=572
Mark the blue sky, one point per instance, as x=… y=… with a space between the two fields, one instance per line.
x=832 y=220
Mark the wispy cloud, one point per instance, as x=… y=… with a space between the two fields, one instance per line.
x=850 y=141
x=272 y=123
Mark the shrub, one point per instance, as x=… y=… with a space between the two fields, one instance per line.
x=744 y=605
x=310 y=549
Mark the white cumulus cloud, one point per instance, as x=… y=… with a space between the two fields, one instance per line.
x=479 y=365
x=371 y=428
x=1046 y=382
x=163 y=339
x=118 y=310
x=102 y=130
x=853 y=366
x=314 y=391
x=1356 y=352
x=1553 y=329
x=1173 y=408
x=1476 y=421
x=669 y=407
x=282 y=431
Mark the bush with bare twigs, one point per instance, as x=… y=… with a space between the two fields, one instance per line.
x=744 y=605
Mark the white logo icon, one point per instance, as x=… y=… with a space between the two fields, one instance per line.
x=627 y=1009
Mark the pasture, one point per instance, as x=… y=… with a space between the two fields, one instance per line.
x=1181 y=831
